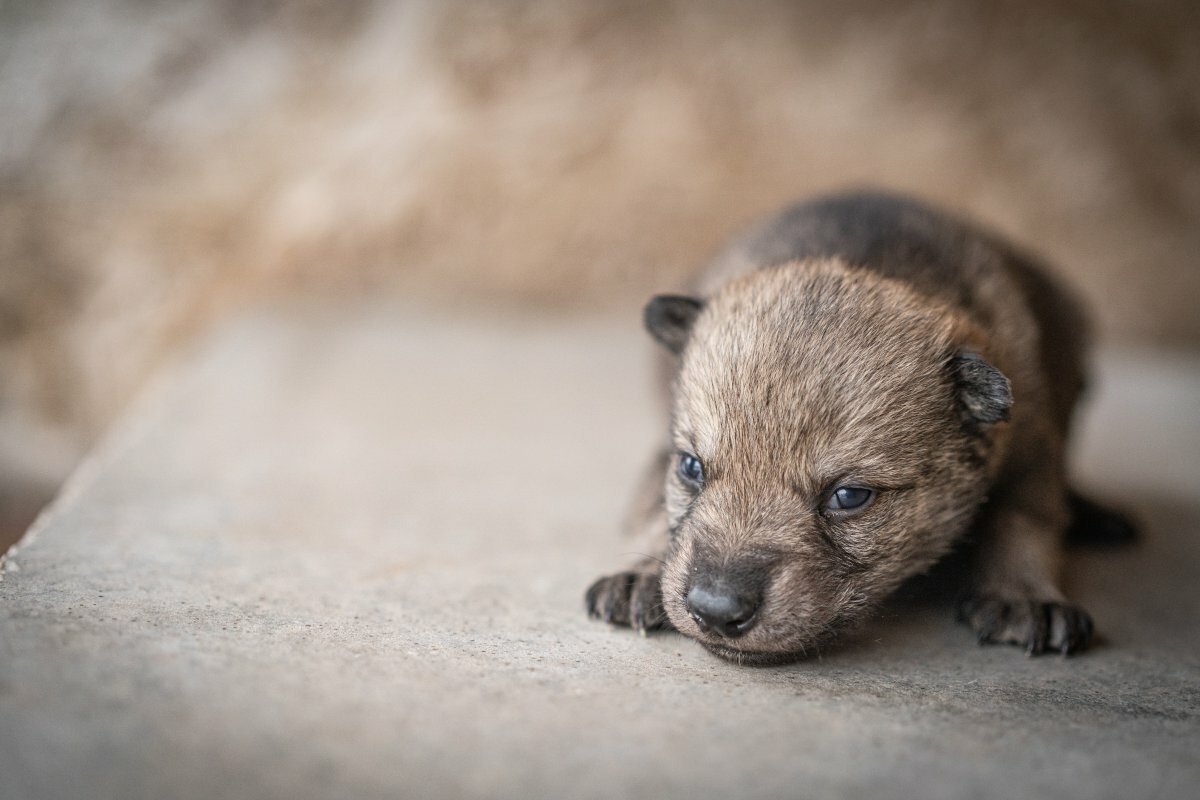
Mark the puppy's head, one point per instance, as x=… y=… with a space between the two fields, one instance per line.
x=833 y=433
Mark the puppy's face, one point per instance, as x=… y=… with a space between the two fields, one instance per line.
x=831 y=440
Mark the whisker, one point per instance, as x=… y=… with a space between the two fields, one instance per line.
x=644 y=555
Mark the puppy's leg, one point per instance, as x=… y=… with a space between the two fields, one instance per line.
x=1095 y=524
x=1015 y=596
x=634 y=597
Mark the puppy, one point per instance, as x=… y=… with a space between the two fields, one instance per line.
x=858 y=386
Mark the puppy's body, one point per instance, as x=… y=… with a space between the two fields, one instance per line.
x=859 y=384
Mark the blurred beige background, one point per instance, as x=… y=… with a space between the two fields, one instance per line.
x=162 y=164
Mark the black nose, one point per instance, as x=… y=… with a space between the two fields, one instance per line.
x=716 y=606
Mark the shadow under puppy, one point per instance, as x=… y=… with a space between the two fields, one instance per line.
x=859 y=385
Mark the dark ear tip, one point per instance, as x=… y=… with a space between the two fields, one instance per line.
x=671 y=308
x=992 y=417
x=985 y=391
x=669 y=319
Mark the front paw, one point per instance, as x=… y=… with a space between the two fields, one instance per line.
x=628 y=598
x=1037 y=625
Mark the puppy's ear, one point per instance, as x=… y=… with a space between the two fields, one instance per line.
x=669 y=319
x=983 y=392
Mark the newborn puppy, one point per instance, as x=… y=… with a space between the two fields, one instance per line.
x=857 y=386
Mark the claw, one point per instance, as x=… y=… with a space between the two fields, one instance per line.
x=628 y=598
x=1039 y=626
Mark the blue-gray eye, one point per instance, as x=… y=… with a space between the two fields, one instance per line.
x=690 y=470
x=849 y=498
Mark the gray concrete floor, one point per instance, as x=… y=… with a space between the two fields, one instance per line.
x=342 y=554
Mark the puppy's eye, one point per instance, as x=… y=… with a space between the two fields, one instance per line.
x=849 y=498
x=690 y=470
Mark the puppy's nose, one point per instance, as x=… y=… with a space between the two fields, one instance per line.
x=716 y=606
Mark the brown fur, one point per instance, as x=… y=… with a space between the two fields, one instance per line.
x=855 y=341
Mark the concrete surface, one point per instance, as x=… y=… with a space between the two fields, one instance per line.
x=342 y=554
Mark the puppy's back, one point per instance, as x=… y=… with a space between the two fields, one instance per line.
x=940 y=256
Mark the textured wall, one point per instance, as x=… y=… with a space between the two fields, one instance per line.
x=160 y=162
